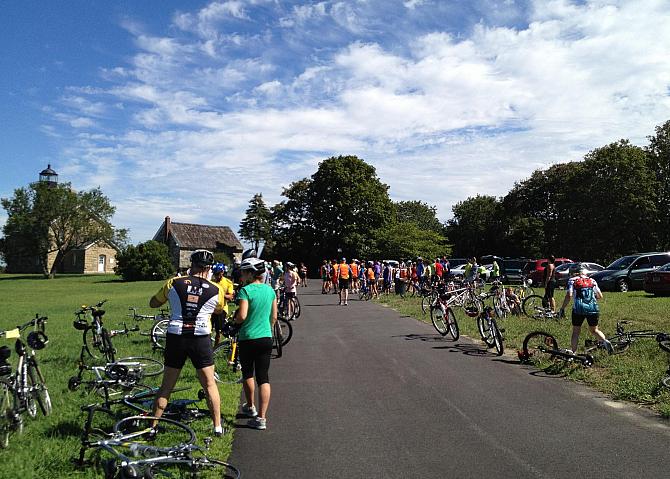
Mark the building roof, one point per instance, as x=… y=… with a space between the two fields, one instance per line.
x=192 y=236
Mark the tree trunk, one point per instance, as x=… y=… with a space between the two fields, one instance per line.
x=57 y=262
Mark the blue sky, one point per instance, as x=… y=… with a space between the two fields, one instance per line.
x=187 y=109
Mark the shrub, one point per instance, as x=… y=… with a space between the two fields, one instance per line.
x=144 y=262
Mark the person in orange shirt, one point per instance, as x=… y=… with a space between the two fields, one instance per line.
x=372 y=284
x=335 y=275
x=354 y=276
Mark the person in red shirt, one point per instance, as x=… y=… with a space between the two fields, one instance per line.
x=439 y=269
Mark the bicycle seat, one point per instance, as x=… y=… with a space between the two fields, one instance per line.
x=98 y=313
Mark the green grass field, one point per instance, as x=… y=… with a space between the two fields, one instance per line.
x=48 y=444
x=633 y=375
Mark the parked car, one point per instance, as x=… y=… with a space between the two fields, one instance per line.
x=511 y=269
x=563 y=272
x=456 y=262
x=534 y=269
x=628 y=272
x=459 y=272
x=658 y=282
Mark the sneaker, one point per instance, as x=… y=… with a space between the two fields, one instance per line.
x=608 y=346
x=340 y=303
x=257 y=423
x=345 y=303
x=249 y=411
x=218 y=431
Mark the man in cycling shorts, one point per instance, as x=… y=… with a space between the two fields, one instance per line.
x=193 y=299
x=344 y=277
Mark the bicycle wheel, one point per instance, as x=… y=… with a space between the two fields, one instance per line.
x=167 y=433
x=5 y=414
x=286 y=331
x=532 y=306
x=620 y=345
x=484 y=327
x=497 y=337
x=427 y=303
x=92 y=341
x=200 y=467
x=147 y=367
x=39 y=388
x=107 y=349
x=537 y=346
x=296 y=308
x=500 y=307
x=277 y=339
x=437 y=316
x=473 y=304
x=158 y=332
x=227 y=367
x=452 y=324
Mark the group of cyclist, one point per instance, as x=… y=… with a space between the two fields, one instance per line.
x=199 y=304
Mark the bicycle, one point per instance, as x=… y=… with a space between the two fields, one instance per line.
x=95 y=335
x=489 y=330
x=26 y=389
x=227 y=367
x=664 y=344
x=443 y=317
x=154 y=318
x=622 y=340
x=148 y=447
x=536 y=307
x=364 y=292
x=542 y=347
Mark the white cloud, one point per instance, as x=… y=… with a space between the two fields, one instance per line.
x=455 y=114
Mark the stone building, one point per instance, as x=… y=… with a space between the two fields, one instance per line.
x=184 y=238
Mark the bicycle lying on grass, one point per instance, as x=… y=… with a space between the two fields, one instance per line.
x=24 y=390
x=536 y=307
x=164 y=314
x=148 y=447
x=622 y=340
x=542 y=347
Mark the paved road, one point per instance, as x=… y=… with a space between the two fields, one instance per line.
x=364 y=393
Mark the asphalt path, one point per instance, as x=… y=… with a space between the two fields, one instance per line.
x=362 y=392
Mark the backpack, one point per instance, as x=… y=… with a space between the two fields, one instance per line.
x=585 y=297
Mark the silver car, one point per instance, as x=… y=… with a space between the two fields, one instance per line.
x=563 y=272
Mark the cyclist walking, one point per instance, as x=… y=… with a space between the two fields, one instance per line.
x=192 y=299
x=291 y=281
x=257 y=314
x=586 y=293
x=344 y=274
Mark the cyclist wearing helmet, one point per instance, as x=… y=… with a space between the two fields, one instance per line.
x=193 y=299
x=585 y=292
x=257 y=313
x=219 y=278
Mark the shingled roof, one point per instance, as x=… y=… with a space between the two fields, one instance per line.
x=192 y=236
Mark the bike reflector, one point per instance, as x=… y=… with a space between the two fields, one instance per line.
x=13 y=333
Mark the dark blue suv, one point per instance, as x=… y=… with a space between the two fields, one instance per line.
x=628 y=272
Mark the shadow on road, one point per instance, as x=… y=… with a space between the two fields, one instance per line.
x=467 y=349
x=433 y=338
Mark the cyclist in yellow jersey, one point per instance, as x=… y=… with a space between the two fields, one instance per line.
x=225 y=285
x=192 y=299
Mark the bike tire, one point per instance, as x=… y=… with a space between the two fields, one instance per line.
x=484 y=328
x=666 y=382
x=107 y=347
x=40 y=390
x=90 y=339
x=453 y=324
x=149 y=366
x=497 y=338
x=437 y=316
x=5 y=415
x=287 y=331
x=158 y=334
x=620 y=345
x=536 y=346
x=169 y=431
x=277 y=339
x=531 y=305
x=665 y=345
x=208 y=467
x=427 y=303
x=296 y=308
x=227 y=368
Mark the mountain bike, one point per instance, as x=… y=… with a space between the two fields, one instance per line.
x=153 y=318
x=26 y=389
x=490 y=331
x=227 y=367
x=622 y=340
x=364 y=292
x=97 y=340
x=536 y=307
x=443 y=318
x=148 y=447
x=542 y=347
x=500 y=304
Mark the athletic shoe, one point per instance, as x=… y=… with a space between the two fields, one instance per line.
x=249 y=411
x=218 y=431
x=340 y=303
x=345 y=303
x=257 y=423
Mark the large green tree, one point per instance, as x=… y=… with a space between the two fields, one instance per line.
x=338 y=209
x=145 y=262
x=423 y=215
x=659 y=155
x=44 y=220
x=257 y=222
x=474 y=228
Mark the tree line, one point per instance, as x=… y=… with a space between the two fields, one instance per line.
x=616 y=200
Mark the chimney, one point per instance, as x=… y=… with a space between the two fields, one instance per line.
x=167 y=229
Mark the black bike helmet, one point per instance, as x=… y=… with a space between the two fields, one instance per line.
x=202 y=257
x=5 y=353
x=80 y=324
x=37 y=340
x=250 y=253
